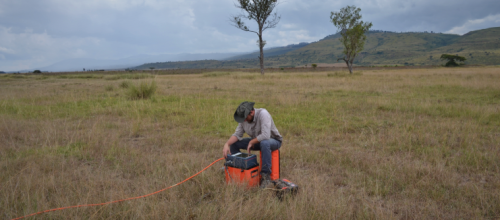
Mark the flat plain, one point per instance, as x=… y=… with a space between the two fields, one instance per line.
x=379 y=144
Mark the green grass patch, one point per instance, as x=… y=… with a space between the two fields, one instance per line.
x=216 y=74
x=125 y=84
x=129 y=76
x=106 y=76
x=77 y=150
x=80 y=76
x=344 y=74
x=109 y=88
x=248 y=77
x=337 y=74
x=82 y=108
x=142 y=91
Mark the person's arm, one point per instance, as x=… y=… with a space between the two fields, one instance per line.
x=265 y=126
x=238 y=135
x=226 y=150
x=251 y=143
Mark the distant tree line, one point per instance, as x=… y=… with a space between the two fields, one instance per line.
x=101 y=70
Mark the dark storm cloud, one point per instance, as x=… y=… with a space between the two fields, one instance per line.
x=35 y=33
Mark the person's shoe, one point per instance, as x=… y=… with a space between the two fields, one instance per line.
x=266 y=182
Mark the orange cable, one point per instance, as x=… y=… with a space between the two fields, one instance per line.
x=121 y=200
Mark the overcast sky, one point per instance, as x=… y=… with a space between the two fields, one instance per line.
x=36 y=33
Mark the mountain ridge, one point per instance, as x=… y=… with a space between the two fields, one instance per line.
x=77 y=64
x=481 y=47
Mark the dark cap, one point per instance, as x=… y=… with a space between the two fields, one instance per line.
x=242 y=111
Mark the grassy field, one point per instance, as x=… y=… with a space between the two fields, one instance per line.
x=380 y=144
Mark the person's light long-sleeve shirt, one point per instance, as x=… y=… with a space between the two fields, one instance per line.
x=262 y=127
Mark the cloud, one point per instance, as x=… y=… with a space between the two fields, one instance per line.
x=6 y=50
x=39 y=33
x=32 y=49
x=475 y=24
x=292 y=37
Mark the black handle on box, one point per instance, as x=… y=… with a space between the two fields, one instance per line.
x=251 y=173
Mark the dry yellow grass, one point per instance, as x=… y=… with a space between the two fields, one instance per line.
x=384 y=144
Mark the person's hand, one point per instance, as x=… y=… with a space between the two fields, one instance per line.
x=250 y=145
x=226 y=150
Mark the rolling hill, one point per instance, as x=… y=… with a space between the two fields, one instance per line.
x=79 y=63
x=276 y=51
x=481 y=47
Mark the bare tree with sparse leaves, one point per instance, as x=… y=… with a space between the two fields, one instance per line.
x=262 y=12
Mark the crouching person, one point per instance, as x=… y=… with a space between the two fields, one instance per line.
x=264 y=136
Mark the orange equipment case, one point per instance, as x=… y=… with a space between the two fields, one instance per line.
x=251 y=177
x=275 y=164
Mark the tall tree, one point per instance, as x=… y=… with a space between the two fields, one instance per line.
x=352 y=29
x=262 y=12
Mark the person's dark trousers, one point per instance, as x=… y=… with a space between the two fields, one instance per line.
x=265 y=147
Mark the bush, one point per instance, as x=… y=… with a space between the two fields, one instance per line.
x=143 y=91
x=37 y=71
x=125 y=84
x=314 y=65
x=109 y=88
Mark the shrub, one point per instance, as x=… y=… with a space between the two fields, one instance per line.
x=143 y=91
x=37 y=71
x=125 y=84
x=109 y=88
x=314 y=65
